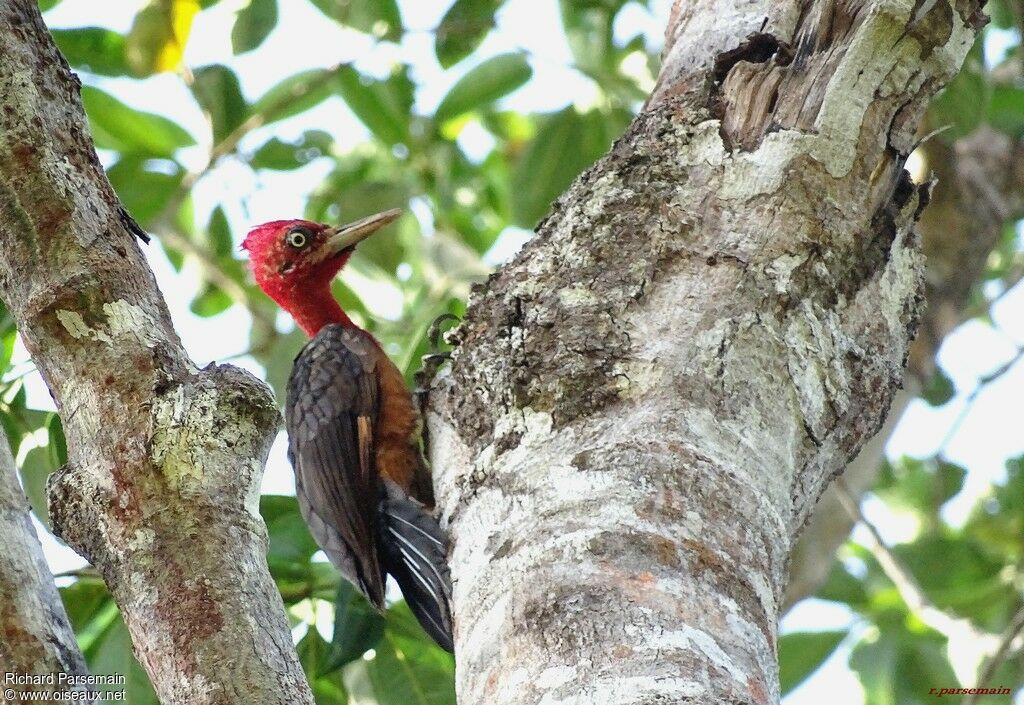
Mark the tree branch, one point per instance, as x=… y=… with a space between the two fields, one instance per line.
x=954 y=629
x=645 y=405
x=1009 y=642
x=160 y=491
x=37 y=638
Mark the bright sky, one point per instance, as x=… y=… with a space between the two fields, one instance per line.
x=305 y=39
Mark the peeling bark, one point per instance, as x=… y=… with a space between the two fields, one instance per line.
x=35 y=635
x=980 y=186
x=644 y=406
x=161 y=487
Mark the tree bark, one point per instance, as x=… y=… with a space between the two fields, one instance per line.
x=35 y=635
x=644 y=406
x=980 y=187
x=161 y=488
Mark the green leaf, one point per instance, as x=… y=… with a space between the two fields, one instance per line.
x=407 y=667
x=276 y=507
x=18 y=420
x=1004 y=255
x=10 y=337
x=112 y=656
x=920 y=486
x=1006 y=110
x=801 y=653
x=899 y=668
x=875 y=662
x=217 y=90
x=508 y=125
x=380 y=18
x=957 y=573
x=589 y=31
x=35 y=469
x=94 y=49
x=119 y=127
x=295 y=94
x=939 y=389
x=312 y=650
x=1001 y=13
x=278 y=360
x=328 y=688
x=282 y=156
x=358 y=627
x=484 y=84
x=14 y=436
x=46 y=5
x=156 y=41
x=1011 y=493
x=211 y=301
x=90 y=608
x=219 y=232
x=841 y=586
x=964 y=102
x=383 y=106
x=949 y=480
x=290 y=542
x=58 y=445
x=565 y=145
x=252 y=25
x=143 y=189
x=463 y=28
x=921 y=665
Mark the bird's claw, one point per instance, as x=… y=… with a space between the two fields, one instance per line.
x=436 y=331
x=431 y=364
x=436 y=358
x=433 y=360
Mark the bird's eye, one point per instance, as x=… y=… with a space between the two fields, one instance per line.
x=297 y=238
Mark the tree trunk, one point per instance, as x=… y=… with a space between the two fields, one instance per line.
x=35 y=636
x=644 y=406
x=980 y=187
x=161 y=487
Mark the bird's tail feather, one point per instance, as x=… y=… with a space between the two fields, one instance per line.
x=415 y=553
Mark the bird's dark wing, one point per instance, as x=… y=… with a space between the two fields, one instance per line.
x=330 y=413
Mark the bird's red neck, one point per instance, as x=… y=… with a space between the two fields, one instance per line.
x=317 y=309
x=309 y=301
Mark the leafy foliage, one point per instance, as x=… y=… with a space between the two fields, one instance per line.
x=94 y=49
x=494 y=78
x=157 y=39
x=118 y=127
x=463 y=28
x=379 y=17
x=254 y=22
x=104 y=638
x=801 y=653
x=217 y=91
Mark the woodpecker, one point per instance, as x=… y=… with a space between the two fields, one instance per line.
x=363 y=487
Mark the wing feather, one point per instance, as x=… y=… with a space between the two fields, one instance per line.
x=330 y=413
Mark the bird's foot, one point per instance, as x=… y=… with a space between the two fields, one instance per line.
x=433 y=360
x=436 y=331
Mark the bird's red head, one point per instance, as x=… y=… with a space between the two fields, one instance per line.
x=294 y=261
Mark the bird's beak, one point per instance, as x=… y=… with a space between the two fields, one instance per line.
x=346 y=236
